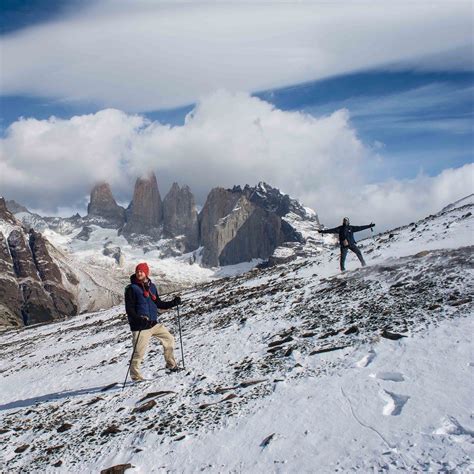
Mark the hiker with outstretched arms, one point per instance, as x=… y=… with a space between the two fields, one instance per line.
x=346 y=239
x=142 y=304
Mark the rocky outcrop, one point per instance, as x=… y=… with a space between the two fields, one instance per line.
x=273 y=200
x=31 y=287
x=145 y=213
x=114 y=252
x=50 y=275
x=238 y=225
x=180 y=218
x=219 y=203
x=5 y=215
x=36 y=304
x=47 y=269
x=10 y=311
x=103 y=206
x=233 y=229
x=85 y=233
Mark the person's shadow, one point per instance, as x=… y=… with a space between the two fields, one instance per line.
x=57 y=396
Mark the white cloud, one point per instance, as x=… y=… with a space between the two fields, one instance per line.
x=395 y=202
x=228 y=139
x=143 y=55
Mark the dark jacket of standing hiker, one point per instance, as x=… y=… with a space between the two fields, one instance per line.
x=142 y=303
x=346 y=233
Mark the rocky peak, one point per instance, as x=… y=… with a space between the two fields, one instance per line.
x=145 y=213
x=5 y=214
x=103 y=205
x=180 y=216
x=15 y=207
x=240 y=224
x=273 y=200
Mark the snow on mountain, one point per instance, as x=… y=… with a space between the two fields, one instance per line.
x=290 y=368
x=461 y=202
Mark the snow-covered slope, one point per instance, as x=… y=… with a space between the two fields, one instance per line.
x=291 y=368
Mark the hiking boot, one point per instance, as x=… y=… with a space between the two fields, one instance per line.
x=170 y=370
x=138 y=378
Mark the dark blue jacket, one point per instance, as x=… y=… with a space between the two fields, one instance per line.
x=137 y=305
x=346 y=232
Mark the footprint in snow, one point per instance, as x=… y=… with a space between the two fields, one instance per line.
x=389 y=376
x=451 y=426
x=395 y=403
x=366 y=360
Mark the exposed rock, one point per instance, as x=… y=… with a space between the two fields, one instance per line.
x=47 y=269
x=248 y=383
x=159 y=394
x=117 y=469
x=35 y=282
x=145 y=213
x=5 y=214
x=22 y=448
x=238 y=225
x=112 y=429
x=273 y=200
x=423 y=253
x=64 y=427
x=266 y=441
x=53 y=449
x=219 y=204
x=10 y=313
x=23 y=262
x=85 y=233
x=103 y=205
x=326 y=349
x=392 y=335
x=114 y=252
x=145 y=407
x=234 y=230
x=351 y=330
x=180 y=217
x=63 y=300
x=280 y=342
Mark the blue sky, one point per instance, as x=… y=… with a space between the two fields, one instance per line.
x=413 y=106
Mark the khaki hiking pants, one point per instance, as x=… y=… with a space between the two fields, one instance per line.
x=166 y=339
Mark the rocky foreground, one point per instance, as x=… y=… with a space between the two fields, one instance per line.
x=291 y=368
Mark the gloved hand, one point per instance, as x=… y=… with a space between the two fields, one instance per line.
x=146 y=320
x=176 y=301
x=372 y=224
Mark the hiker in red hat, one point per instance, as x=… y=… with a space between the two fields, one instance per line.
x=142 y=304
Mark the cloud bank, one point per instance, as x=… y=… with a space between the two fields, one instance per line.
x=229 y=138
x=142 y=55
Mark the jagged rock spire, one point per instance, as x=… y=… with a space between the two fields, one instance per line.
x=103 y=205
x=145 y=213
x=180 y=216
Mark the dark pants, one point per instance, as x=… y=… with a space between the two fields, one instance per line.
x=356 y=250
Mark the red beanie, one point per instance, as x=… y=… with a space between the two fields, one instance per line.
x=143 y=267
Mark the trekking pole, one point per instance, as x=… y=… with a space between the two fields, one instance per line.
x=130 y=364
x=372 y=231
x=180 y=336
